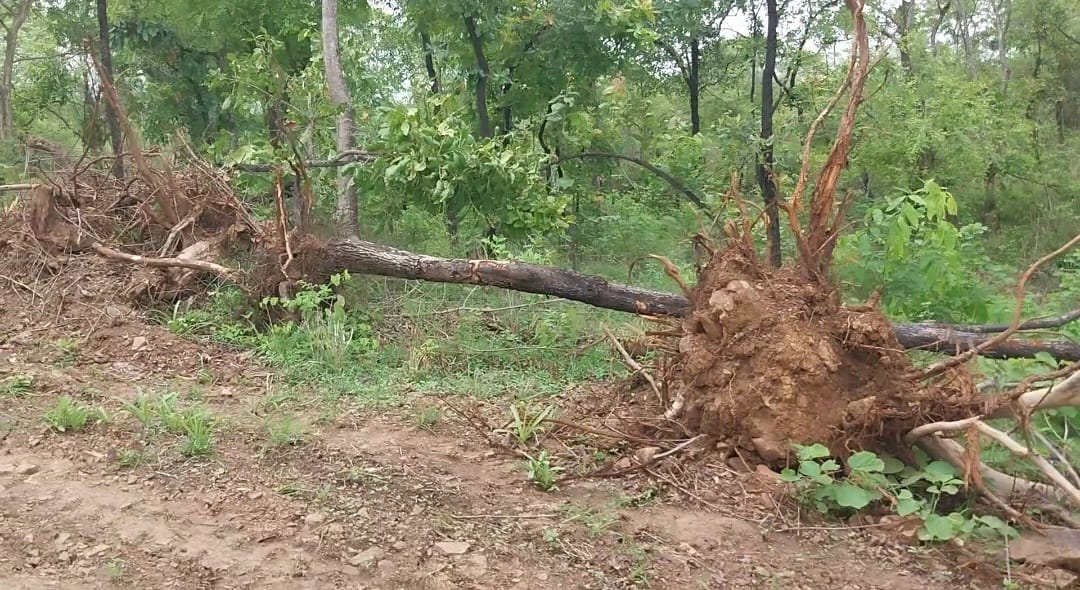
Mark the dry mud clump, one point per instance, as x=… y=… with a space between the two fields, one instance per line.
x=769 y=358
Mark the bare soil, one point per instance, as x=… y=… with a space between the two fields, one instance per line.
x=369 y=500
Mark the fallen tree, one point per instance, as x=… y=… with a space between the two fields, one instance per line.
x=364 y=257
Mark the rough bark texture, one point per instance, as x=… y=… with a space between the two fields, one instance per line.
x=18 y=14
x=766 y=179
x=105 y=50
x=429 y=63
x=693 y=84
x=347 y=207
x=483 y=122
x=365 y=257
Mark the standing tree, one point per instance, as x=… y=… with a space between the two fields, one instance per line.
x=347 y=207
x=14 y=17
x=765 y=175
x=105 y=51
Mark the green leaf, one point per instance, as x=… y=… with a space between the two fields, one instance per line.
x=814 y=451
x=937 y=528
x=866 y=461
x=939 y=471
x=809 y=468
x=892 y=466
x=908 y=506
x=850 y=496
x=789 y=476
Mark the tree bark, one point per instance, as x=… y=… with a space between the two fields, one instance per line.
x=693 y=83
x=363 y=257
x=483 y=122
x=347 y=209
x=19 y=12
x=105 y=51
x=429 y=63
x=765 y=176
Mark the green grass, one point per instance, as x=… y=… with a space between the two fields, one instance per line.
x=193 y=425
x=16 y=386
x=68 y=415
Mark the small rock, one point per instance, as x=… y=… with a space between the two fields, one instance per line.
x=254 y=495
x=33 y=561
x=335 y=529
x=367 y=557
x=65 y=557
x=475 y=566
x=399 y=545
x=62 y=539
x=138 y=343
x=27 y=469
x=7 y=468
x=97 y=550
x=132 y=479
x=416 y=511
x=453 y=547
x=314 y=518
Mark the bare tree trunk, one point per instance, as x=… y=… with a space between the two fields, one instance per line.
x=347 y=209
x=963 y=29
x=1002 y=21
x=105 y=50
x=18 y=13
x=904 y=18
x=482 y=121
x=429 y=63
x=765 y=176
x=364 y=257
x=693 y=83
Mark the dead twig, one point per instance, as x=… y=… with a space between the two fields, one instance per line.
x=1021 y=287
x=635 y=365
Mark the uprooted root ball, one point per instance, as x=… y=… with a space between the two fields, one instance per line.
x=769 y=358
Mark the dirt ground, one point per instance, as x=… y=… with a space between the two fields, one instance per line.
x=369 y=500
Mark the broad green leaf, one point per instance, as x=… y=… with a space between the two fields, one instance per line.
x=866 y=461
x=850 y=496
x=814 y=451
x=908 y=506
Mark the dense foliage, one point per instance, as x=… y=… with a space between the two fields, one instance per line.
x=964 y=158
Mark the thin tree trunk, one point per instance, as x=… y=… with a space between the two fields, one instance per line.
x=1002 y=21
x=347 y=206
x=19 y=13
x=693 y=83
x=765 y=176
x=429 y=63
x=105 y=50
x=963 y=28
x=482 y=121
x=904 y=18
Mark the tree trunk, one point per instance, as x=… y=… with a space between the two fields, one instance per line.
x=904 y=18
x=19 y=12
x=693 y=83
x=429 y=63
x=363 y=257
x=347 y=207
x=482 y=121
x=963 y=28
x=1002 y=21
x=105 y=50
x=765 y=176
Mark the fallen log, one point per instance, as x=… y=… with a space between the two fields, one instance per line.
x=363 y=257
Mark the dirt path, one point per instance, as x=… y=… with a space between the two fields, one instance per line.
x=366 y=500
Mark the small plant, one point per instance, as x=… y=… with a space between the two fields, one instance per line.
x=116 y=569
x=524 y=426
x=197 y=428
x=132 y=458
x=69 y=349
x=541 y=472
x=16 y=386
x=286 y=431
x=596 y=521
x=918 y=492
x=69 y=416
x=427 y=418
